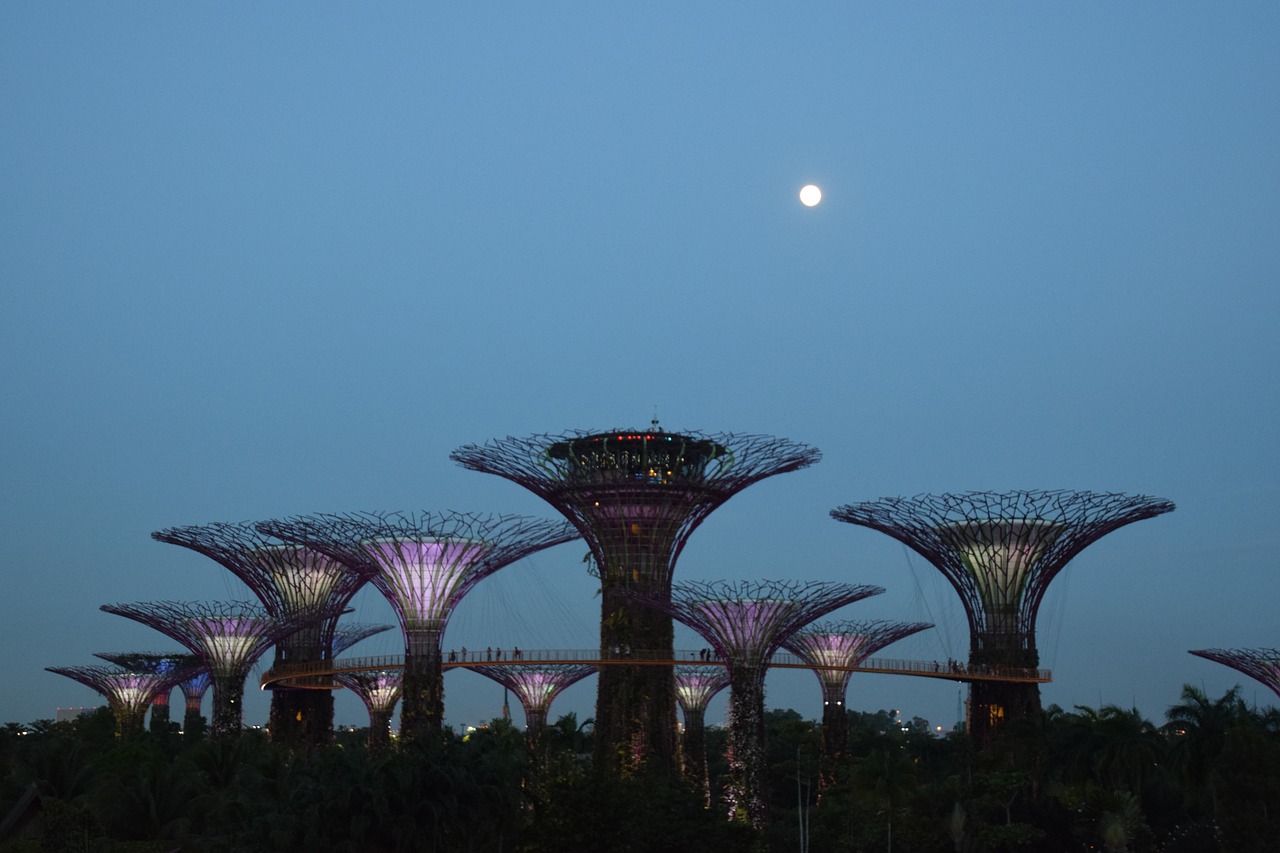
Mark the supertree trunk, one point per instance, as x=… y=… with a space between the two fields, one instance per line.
x=745 y=793
x=160 y=713
x=835 y=732
x=992 y=703
x=228 y=708
x=380 y=730
x=695 y=751
x=422 y=705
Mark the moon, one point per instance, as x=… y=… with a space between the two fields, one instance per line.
x=810 y=195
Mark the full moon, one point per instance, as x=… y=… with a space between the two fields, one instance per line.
x=810 y=195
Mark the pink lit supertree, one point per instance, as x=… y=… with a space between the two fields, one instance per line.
x=832 y=649
x=695 y=687
x=636 y=496
x=1260 y=664
x=379 y=690
x=745 y=623
x=288 y=579
x=423 y=564
x=175 y=666
x=128 y=692
x=193 y=689
x=227 y=636
x=1000 y=551
x=536 y=686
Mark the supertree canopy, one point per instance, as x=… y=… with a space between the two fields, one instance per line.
x=379 y=690
x=536 y=686
x=636 y=496
x=347 y=634
x=746 y=623
x=832 y=649
x=424 y=564
x=175 y=665
x=1000 y=551
x=128 y=692
x=228 y=637
x=288 y=579
x=695 y=687
x=1261 y=664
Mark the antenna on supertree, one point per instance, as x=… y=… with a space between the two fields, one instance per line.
x=842 y=645
x=695 y=687
x=227 y=636
x=174 y=665
x=536 y=686
x=423 y=564
x=746 y=623
x=193 y=689
x=128 y=692
x=636 y=496
x=288 y=579
x=1260 y=664
x=1000 y=551
x=347 y=634
x=379 y=690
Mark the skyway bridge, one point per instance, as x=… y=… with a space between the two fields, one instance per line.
x=318 y=674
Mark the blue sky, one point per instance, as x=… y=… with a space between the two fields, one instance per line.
x=260 y=261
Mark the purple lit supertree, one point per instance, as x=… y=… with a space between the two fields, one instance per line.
x=379 y=690
x=695 y=687
x=175 y=666
x=831 y=649
x=193 y=689
x=1260 y=664
x=288 y=579
x=745 y=623
x=636 y=496
x=228 y=637
x=1000 y=551
x=423 y=564
x=128 y=692
x=536 y=686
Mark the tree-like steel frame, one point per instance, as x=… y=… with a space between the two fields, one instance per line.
x=745 y=623
x=288 y=579
x=636 y=496
x=379 y=690
x=1000 y=550
x=128 y=691
x=176 y=665
x=1260 y=664
x=536 y=686
x=695 y=687
x=228 y=636
x=845 y=643
x=424 y=564
x=193 y=689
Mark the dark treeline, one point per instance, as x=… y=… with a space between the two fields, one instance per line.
x=1206 y=779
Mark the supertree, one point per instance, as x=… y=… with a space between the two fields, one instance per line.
x=423 y=564
x=536 y=686
x=128 y=692
x=227 y=636
x=175 y=665
x=379 y=690
x=695 y=687
x=1000 y=551
x=1260 y=664
x=288 y=579
x=193 y=689
x=745 y=623
x=636 y=496
x=832 y=649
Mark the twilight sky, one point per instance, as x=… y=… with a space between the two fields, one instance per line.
x=258 y=261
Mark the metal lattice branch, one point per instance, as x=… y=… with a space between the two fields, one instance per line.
x=128 y=691
x=347 y=634
x=1001 y=550
x=1260 y=664
x=175 y=666
x=536 y=686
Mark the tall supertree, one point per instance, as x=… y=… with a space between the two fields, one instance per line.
x=536 y=686
x=1261 y=664
x=832 y=649
x=128 y=692
x=379 y=690
x=636 y=496
x=175 y=666
x=745 y=623
x=193 y=689
x=423 y=564
x=227 y=636
x=695 y=687
x=1000 y=551
x=288 y=579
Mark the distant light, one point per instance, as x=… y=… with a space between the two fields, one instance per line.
x=810 y=195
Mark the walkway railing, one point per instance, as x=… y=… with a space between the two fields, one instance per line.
x=318 y=674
